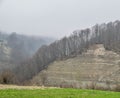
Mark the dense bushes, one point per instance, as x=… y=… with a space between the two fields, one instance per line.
x=7 y=77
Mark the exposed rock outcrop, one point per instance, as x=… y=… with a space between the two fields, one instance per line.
x=5 y=51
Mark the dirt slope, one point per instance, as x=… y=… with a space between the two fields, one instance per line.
x=97 y=66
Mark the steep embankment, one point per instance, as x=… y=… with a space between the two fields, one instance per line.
x=5 y=52
x=5 y=57
x=96 y=66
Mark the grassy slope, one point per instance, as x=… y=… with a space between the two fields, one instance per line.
x=57 y=93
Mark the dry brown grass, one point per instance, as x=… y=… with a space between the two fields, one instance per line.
x=96 y=66
x=23 y=87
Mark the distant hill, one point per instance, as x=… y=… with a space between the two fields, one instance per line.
x=22 y=46
x=84 y=58
x=16 y=48
x=107 y=34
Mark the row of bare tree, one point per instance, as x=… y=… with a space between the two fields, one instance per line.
x=107 y=34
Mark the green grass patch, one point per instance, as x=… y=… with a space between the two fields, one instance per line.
x=57 y=93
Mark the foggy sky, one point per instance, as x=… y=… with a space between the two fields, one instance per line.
x=55 y=18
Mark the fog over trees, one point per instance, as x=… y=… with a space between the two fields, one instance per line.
x=23 y=46
x=78 y=42
x=16 y=48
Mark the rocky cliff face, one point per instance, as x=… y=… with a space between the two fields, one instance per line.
x=5 y=52
x=5 y=57
x=96 y=66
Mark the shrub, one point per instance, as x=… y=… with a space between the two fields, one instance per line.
x=7 y=77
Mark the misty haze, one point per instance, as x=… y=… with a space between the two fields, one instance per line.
x=54 y=44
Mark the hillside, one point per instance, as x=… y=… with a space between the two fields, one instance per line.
x=96 y=66
x=15 y=49
x=82 y=46
x=20 y=47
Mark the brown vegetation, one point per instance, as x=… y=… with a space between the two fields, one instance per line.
x=7 y=77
